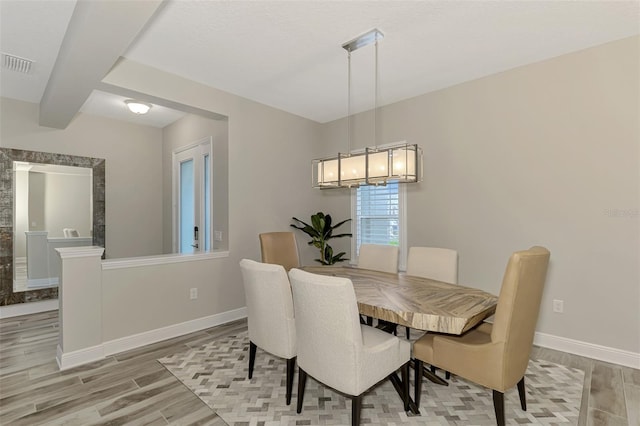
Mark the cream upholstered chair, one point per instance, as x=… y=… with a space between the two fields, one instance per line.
x=495 y=356
x=334 y=348
x=280 y=248
x=270 y=314
x=378 y=257
x=382 y=258
x=439 y=264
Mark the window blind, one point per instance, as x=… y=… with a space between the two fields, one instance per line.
x=377 y=215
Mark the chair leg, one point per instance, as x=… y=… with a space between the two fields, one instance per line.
x=302 y=381
x=252 y=358
x=417 y=382
x=291 y=366
x=356 y=407
x=447 y=374
x=498 y=407
x=405 y=385
x=523 y=395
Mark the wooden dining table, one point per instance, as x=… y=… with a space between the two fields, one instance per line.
x=416 y=302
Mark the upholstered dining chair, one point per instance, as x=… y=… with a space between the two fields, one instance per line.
x=383 y=258
x=437 y=263
x=280 y=248
x=494 y=355
x=378 y=257
x=270 y=315
x=334 y=348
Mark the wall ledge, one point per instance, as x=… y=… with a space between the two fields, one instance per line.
x=163 y=259
x=73 y=252
x=589 y=350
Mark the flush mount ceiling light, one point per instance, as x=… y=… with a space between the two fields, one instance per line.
x=375 y=166
x=137 y=107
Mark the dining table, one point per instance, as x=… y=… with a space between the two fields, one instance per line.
x=416 y=302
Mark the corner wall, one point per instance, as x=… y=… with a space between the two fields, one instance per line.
x=545 y=154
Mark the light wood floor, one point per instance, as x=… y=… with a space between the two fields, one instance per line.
x=132 y=388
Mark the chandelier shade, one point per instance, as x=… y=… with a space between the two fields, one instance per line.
x=374 y=166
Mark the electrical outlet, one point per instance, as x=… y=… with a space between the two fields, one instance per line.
x=558 y=306
x=217 y=235
x=193 y=293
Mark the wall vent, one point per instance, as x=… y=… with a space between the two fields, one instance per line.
x=16 y=63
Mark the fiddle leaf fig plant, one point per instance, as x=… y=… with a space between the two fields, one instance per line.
x=321 y=230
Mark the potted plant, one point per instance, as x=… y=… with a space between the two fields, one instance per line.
x=320 y=231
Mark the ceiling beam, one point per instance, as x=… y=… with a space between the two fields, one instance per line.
x=98 y=34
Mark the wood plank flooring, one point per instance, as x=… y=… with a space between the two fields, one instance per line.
x=132 y=388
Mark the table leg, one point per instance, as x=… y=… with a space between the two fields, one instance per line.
x=397 y=384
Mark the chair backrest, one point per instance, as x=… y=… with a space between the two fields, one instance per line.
x=518 y=307
x=378 y=257
x=433 y=262
x=269 y=307
x=70 y=233
x=327 y=327
x=280 y=248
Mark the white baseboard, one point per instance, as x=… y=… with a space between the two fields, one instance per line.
x=83 y=356
x=148 y=337
x=96 y=353
x=18 y=309
x=589 y=350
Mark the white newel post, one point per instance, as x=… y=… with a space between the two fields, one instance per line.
x=80 y=311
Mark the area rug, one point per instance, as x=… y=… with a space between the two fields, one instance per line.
x=217 y=374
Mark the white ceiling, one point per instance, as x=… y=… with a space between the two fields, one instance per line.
x=287 y=54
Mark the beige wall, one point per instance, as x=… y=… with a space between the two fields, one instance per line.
x=184 y=132
x=165 y=290
x=269 y=164
x=133 y=156
x=542 y=154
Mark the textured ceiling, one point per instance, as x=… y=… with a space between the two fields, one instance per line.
x=288 y=54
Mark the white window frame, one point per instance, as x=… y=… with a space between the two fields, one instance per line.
x=402 y=227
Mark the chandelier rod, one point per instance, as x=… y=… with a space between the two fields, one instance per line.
x=349 y=103
x=375 y=101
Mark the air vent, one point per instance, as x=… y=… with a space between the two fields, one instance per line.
x=15 y=63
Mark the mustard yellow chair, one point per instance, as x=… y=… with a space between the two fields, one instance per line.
x=495 y=356
x=280 y=248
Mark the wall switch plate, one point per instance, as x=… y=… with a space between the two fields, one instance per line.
x=193 y=293
x=558 y=306
x=217 y=235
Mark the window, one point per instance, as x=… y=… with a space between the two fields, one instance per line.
x=192 y=197
x=379 y=217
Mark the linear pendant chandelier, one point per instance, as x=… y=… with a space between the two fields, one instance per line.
x=374 y=166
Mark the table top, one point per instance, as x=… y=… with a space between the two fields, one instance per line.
x=415 y=302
